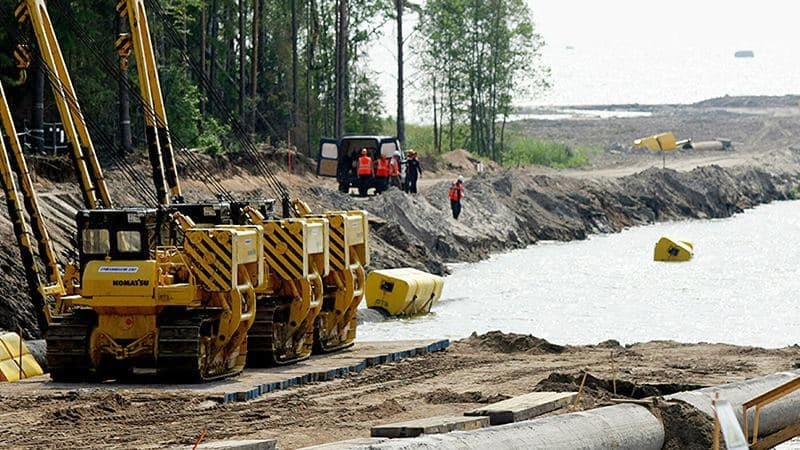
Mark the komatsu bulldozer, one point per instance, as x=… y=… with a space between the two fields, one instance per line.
x=186 y=291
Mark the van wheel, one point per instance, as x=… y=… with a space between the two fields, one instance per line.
x=344 y=188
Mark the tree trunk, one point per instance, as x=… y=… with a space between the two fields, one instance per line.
x=341 y=67
x=213 y=38
x=254 y=64
x=295 y=100
x=436 y=142
x=37 y=112
x=203 y=63
x=401 y=120
x=242 y=58
x=309 y=68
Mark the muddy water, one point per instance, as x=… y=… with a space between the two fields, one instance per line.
x=741 y=287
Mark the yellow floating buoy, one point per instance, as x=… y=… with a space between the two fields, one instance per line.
x=402 y=292
x=671 y=249
x=16 y=361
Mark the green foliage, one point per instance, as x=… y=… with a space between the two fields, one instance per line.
x=519 y=149
x=524 y=150
x=474 y=56
x=420 y=137
x=211 y=139
x=366 y=106
x=182 y=100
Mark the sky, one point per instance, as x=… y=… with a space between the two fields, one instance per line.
x=619 y=25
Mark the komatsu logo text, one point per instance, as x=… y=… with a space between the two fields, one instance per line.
x=130 y=282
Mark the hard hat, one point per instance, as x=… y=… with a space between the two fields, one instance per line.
x=461 y=178
x=396 y=153
x=363 y=151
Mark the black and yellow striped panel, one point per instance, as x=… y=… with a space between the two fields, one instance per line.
x=122 y=8
x=22 y=56
x=124 y=44
x=21 y=13
x=337 y=247
x=210 y=253
x=283 y=248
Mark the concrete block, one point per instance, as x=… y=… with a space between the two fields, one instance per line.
x=523 y=407
x=430 y=425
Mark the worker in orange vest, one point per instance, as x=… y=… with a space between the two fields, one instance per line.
x=394 y=170
x=456 y=193
x=364 y=172
x=382 y=171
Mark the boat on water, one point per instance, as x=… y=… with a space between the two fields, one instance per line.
x=744 y=54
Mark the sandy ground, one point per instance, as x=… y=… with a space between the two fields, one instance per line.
x=474 y=371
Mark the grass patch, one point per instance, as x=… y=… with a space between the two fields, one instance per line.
x=523 y=151
x=520 y=149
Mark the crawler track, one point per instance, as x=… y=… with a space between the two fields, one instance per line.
x=68 y=346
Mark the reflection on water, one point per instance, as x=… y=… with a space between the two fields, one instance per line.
x=739 y=288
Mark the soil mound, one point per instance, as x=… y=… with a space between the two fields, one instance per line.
x=464 y=163
x=445 y=396
x=685 y=427
x=600 y=388
x=513 y=343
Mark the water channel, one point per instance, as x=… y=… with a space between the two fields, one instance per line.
x=740 y=287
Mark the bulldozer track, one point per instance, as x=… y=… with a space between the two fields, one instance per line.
x=261 y=338
x=180 y=354
x=68 y=347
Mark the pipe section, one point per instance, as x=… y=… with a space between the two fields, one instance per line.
x=621 y=427
x=774 y=417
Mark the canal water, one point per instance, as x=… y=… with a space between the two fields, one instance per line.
x=740 y=287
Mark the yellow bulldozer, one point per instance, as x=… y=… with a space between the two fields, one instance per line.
x=189 y=292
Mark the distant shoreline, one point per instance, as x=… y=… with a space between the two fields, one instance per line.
x=754 y=101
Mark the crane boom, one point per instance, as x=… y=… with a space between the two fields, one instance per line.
x=39 y=290
x=159 y=144
x=90 y=175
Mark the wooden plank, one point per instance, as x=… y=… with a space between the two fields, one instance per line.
x=429 y=425
x=774 y=439
x=523 y=407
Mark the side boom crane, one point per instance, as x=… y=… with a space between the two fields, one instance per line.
x=159 y=145
x=20 y=192
x=87 y=167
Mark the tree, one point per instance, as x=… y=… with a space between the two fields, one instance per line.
x=478 y=53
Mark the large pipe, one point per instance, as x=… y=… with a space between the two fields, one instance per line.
x=619 y=427
x=624 y=426
x=774 y=417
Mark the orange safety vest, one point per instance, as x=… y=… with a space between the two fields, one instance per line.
x=383 y=168
x=455 y=192
x=364 y=165
x=394 y=167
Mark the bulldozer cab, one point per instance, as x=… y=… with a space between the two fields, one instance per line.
x=118 y=234
x=338 y=157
